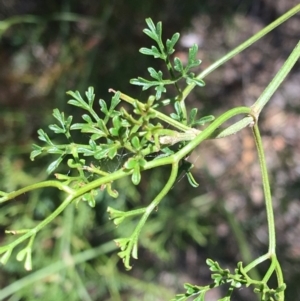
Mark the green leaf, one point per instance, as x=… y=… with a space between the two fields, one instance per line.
x=153 y=32
x=136 y=175
x=142 y=162
x=191 y=289
x=159 y=90
x=80 y=126
x=136 y=143
x=94 y=130
x=123 y=243
x=153 y=51
x=143 y=82
x=178 y=66
x=90 y=95
x=191 y=179
x=125 y=123
x=115 y=101
x=171 y=43
x=154 y=74
x=146 y=84
x=78 y=101
x=28 y=261
x=54 y=165
x=60 y=116
x=102 y=126
x=55 y=150
x=178 y=115
x=5 y=257
x=37 y=150
x=44 y=137
x=192 y=116
x=180 y=297
x=112 y=192
x=130 y=164
x=192 y=61
x=116 y=215
x=103 y=150
x=112 y=152
x=21 y=254
x=114 y=132
x=190 y=79
x=87 y=118
x=213 y=265
x=177 y=108
x=89 y=151
x=103 y=106
x=201 y=121
x=90 y=198
x=204 y=120
x=56 y=129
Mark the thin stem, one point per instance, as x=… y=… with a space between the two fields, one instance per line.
x=267 y=190
x=151 y=207
x=256 y=262
x=11 y=195
x=173 y=160
x=276 y=81
x=242 y=47
x=210 y=129
x=42 y=224
x=270 y=271
x=158 y=114
x=233 y=129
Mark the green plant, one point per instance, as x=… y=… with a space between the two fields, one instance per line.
x=151 y=139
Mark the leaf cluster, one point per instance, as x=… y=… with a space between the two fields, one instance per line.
x=118 y=130
x=235 y=280
x=163 y=51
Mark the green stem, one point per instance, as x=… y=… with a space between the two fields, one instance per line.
x=276 y=81
x=270 y=217
x=11 y=195
x=270 y=271
x=121 y=173
x=279 y=276
x=158 y=114
x=233 y=129
x=256 y=262
x=173 y=160
x=150 y=208
x=242 y=47
x=267 y=190
x=41 y=225
x=210 y=130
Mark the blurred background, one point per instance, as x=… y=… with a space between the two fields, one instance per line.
x=50 y=47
